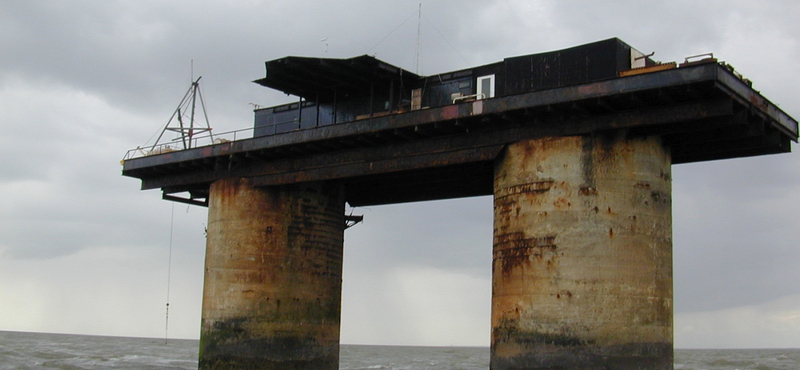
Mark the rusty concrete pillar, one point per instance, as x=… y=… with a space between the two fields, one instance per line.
x=272 y=294
x=582 y=259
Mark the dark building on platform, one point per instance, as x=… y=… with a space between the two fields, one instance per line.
x=344 y=90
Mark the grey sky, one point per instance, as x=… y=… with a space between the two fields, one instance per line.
x=82 y=250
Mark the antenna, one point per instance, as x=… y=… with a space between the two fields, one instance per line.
x=325 y=40
x=189 y=102
x=419 y=27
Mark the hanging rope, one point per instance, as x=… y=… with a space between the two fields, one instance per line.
x=169 y=271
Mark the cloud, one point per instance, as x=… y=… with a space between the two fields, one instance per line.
x=82 y=82
x=412 y=275
x=772 y=324
x=418 y=306
x=424 y=234
x=116 y=290
x=734 y=223
x=60 y=157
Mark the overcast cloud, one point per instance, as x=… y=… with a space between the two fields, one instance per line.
x=82 y=250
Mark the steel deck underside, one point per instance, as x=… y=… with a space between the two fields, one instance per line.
x=702 y=112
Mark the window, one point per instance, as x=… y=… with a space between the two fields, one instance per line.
x=486 y=87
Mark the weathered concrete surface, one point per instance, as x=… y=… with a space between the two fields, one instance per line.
x=582 y=266
x=272 y=294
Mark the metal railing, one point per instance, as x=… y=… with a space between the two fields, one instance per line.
x=179 y=144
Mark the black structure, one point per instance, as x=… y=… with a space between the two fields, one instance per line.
x=391 y=136
x=343 y=90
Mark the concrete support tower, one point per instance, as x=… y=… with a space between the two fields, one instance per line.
x=272 y=294
x=582 y=265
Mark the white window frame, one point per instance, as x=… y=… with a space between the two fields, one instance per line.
x=484 y=94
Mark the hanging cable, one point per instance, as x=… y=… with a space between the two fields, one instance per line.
x=390 y=33
x=169 y=271
x=443 y=38
x=419 y=29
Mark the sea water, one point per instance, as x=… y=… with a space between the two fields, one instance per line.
x=74 y=352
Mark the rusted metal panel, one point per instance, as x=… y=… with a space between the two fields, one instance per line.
x=408 y=155
x=757 y=102
x=424 y=151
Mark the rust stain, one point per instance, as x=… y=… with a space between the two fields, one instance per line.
x=592 y=89
x=536 y=187
x=660 y=197
x=587 y=190
x=564 y=293
x=503 y=206
x=449 y=112
x=642 y=185
x=224 y=148
x=530 y=152
x=758 y=101
x=513 y=249
x=562 y=203
x=587 y=160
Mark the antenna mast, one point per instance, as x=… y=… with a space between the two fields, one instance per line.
x=187 y=131
x=419 y=27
